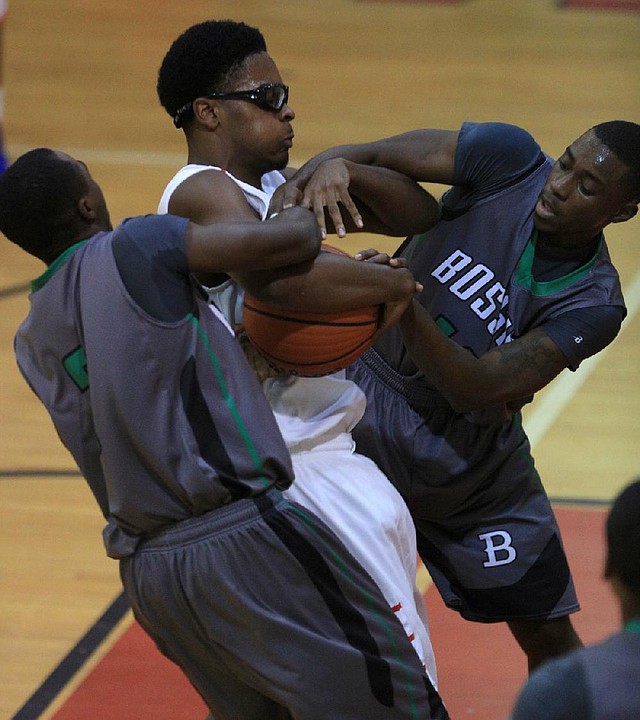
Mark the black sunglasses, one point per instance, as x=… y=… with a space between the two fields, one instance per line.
x=270 y=96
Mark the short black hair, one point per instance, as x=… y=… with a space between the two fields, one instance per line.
x=623 y=537
x=201 y=60
x=39 y=195
x=623 y=139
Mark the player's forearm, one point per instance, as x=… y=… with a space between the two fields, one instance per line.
x=396 y=204
x=424 y=155
x=331 y=284
x=289 y=239
x=503 y=375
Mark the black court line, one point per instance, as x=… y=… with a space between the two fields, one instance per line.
x=584 y=502
x=12 y=290
x=73 y=662
x=38 y=472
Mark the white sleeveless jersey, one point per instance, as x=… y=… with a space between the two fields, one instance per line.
x=227 y=297
x=309 y=411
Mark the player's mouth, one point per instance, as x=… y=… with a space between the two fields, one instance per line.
x=544 y=209
x=288 y=141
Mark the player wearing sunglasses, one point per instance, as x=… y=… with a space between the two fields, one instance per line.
x=219 y=85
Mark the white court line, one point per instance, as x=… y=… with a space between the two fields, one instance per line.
x=111 y=157
x=558 y=395
x=546 y=408
x=117 y=157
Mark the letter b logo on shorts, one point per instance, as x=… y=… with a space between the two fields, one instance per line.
x=498 y=547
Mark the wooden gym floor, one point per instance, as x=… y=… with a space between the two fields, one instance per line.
x=80 y=76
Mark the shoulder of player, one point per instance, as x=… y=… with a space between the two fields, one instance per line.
x=496 y=133
x=494 y=155
x=495 y=138
x=205 y=182
x=559 y=687
x=208 y=196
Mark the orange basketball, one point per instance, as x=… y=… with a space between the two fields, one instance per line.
x=309 y=344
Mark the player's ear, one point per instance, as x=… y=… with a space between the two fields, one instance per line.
x=205 y=111
x=85 y=209
x=626 y=212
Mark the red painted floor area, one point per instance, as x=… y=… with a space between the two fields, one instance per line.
x=480 y=667
x=618 y=5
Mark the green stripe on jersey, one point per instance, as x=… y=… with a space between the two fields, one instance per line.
x=227 y=396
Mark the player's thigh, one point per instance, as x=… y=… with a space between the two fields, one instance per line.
x=350 y=494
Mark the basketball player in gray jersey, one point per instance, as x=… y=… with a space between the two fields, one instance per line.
x=518 y=285
x=251 y=595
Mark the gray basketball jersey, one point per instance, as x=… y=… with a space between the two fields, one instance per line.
x=613 y=676
x=126 y=391
x=476 y=265
x=599 y=682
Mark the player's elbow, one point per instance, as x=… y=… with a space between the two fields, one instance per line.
x=467 y=395
x=424 y=215
x=307 y=249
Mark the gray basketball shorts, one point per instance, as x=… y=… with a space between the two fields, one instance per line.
x=269 y=616
x=486 y=530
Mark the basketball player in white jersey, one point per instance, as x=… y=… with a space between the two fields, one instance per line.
x=219 y=84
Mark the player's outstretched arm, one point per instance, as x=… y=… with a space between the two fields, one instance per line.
x=422 y=155
x=331 y=283
x=290 y=238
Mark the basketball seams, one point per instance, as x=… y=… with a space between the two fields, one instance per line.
x=306 y=368
x=306 y=343
x=308 y=318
